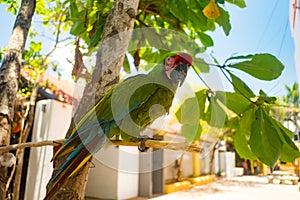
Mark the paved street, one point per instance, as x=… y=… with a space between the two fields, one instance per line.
x=239 y=188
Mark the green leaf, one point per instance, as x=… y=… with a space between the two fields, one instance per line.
x=36 y=46
x=149 y=56
x=198 y=21
x=240 y=86
x=202 y=96
x=89 y=4
x=77 y=28
x=295 y=86
x=220 y=1
x=261 y=66
x=224 y=20
x=264 y=140
x=153 y=37
x=40 y=7
x=126 y=65
x=264 y=98
x=177 y=7
x=243 y=133
x=191 y=132
x=239 y=3
x=180 y=8
x=242 y=147
x=216 y=61
x=184 y=114
x=96 y=37
x=240 y=57
x=73 y=10
x=246 y=121
x=191 y=128
x=200 y=66
x=215 y=115
x=205 y=39
x=234 y=101
x=188 y=44
x=290 y=151
x=289 y=154
x=233 y=123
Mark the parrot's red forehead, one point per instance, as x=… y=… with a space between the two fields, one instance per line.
x=184 y=58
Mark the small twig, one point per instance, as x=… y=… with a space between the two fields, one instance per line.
x=202 y=80
x=31 y=144
x=237 y=89
x=184 y=146
x=175 y=21
x=21 y=139
x=144 y=8
x=10 y=178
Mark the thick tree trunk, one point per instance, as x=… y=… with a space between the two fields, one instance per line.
x=9 y=75
x=110 y=56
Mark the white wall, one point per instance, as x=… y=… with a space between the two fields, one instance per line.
x=171 y=156
x=128 y=181
x=115 y=174
x=187 y=164
x=52 y=119
x=103 y=177
x=227 y=164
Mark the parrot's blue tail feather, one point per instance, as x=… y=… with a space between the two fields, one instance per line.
x=79 y=136
x=90 y=142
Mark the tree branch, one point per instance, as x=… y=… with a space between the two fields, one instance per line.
x=158 y=144
x=31 y=144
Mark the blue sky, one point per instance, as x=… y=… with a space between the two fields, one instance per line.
x=7 y=22
x=261 y=27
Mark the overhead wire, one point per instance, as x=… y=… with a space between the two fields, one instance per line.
x=283 y=37
x=267 y=25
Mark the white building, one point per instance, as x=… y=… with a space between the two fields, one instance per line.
x=295 y=29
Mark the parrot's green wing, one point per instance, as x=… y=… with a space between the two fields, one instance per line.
x=135 y=95
x=102 y=115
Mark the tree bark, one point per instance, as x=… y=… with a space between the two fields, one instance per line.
x=212 y=158
x=110 y=56
x=9 y=75
x=29 y=118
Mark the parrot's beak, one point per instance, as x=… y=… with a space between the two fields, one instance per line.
x=179 y=73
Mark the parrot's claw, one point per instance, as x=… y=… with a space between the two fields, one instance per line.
x=142 y=139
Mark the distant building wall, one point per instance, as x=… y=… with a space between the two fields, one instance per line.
x=295 y=29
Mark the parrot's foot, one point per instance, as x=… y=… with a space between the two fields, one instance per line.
x=142 y=139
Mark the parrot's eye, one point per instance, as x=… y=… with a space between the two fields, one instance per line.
x=169 y=62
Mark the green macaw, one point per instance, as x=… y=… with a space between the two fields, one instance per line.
x=125 y=110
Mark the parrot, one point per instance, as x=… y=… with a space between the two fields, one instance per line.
x=124 y=111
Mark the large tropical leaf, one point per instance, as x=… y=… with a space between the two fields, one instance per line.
x=240 y=86
x=264 y=140
x=234 y=101
x=261 y=66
